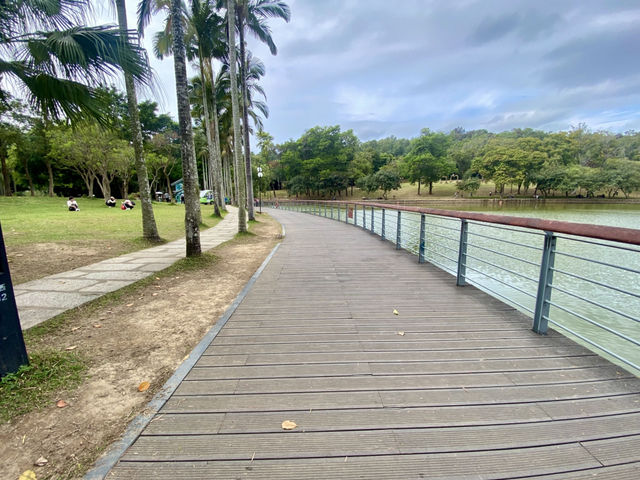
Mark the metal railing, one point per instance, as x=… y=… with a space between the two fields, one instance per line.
x=582 y=279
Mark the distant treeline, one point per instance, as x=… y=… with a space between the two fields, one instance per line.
x=325 y=161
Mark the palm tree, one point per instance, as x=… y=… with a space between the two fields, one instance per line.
x=206 y=28
x=149 y=227
x=175 y=21
x=235 y=110
x=204 y=37
x=254 y=14
x=57 y=62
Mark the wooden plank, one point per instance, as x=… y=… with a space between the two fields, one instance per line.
x=304 y=444
x=616 y=450
x=389 y=418
x=498 y=464
x=405 y=356
x=382 y=346
x=368 y=337
x=617 y=472
x=252 y=403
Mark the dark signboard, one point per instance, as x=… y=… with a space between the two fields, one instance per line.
x=13 y=353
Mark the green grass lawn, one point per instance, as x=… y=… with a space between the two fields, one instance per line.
x=27 y=220
x=410 y=192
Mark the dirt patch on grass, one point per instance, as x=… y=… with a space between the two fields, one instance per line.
x=144 y=335
x=29 y=262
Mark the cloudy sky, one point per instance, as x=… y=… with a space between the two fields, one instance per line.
x=391 y=68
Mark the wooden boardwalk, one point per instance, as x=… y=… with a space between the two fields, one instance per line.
x=455 y=386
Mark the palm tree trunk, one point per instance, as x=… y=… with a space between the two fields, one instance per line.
x=227 y=179
x=213 y=119
x=149 y=227
x=210 y=144
x=189 y=168
x=245 y=119
x=235 y=108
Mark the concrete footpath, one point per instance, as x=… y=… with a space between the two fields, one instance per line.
x=47 y=297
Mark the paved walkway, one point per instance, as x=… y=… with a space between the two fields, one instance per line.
x=47 y=297
x=454 y=386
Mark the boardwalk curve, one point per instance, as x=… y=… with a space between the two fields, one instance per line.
x=454 y=386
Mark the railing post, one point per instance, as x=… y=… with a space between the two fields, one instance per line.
x=364 y=217
x=382 y=231
x=545 y=284
x=346 y=213
x=398 y=230
x=422 y=235
x=332 y=211
x=462 y=254
x=325 y=210
x=372 y=215
x=355 y=215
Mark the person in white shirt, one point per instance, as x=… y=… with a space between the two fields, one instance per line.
x=72 y=205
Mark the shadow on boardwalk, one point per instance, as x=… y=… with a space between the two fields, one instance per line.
x=456 y=385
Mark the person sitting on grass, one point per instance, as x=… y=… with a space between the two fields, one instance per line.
x=111 y=202
x=72 y=205
x=127 y=205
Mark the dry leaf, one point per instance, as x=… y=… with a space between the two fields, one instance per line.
x=157 y=278
x=288 y=425
x=41 y=462
x=154 y=294
x=28 y=475
x=143 y=386
x=129 y=304
x=97 y=325
x=395 y=312
x=401 y=334
x=61 y=404
x=72 y=347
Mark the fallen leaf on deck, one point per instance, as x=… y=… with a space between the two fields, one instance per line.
x=75 y=328
x=97 y=325
x=154 y=294
x=41 y=462
x=395 y=312
x=72 y=347
x=129 y=304
x=61 y=404
x=401 y=334
x=288 y=425
x=28 y=475
x=143 y=386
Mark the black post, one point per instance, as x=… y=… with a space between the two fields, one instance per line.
x=13 y=352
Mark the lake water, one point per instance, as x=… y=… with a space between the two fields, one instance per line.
x=593 y=280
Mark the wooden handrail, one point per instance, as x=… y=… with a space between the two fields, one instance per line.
x=601 y=232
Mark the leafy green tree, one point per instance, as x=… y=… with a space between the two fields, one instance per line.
x=469 y=185
x=427 y=159
x=385 y=179
x=45 y=52
x=621 y=175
